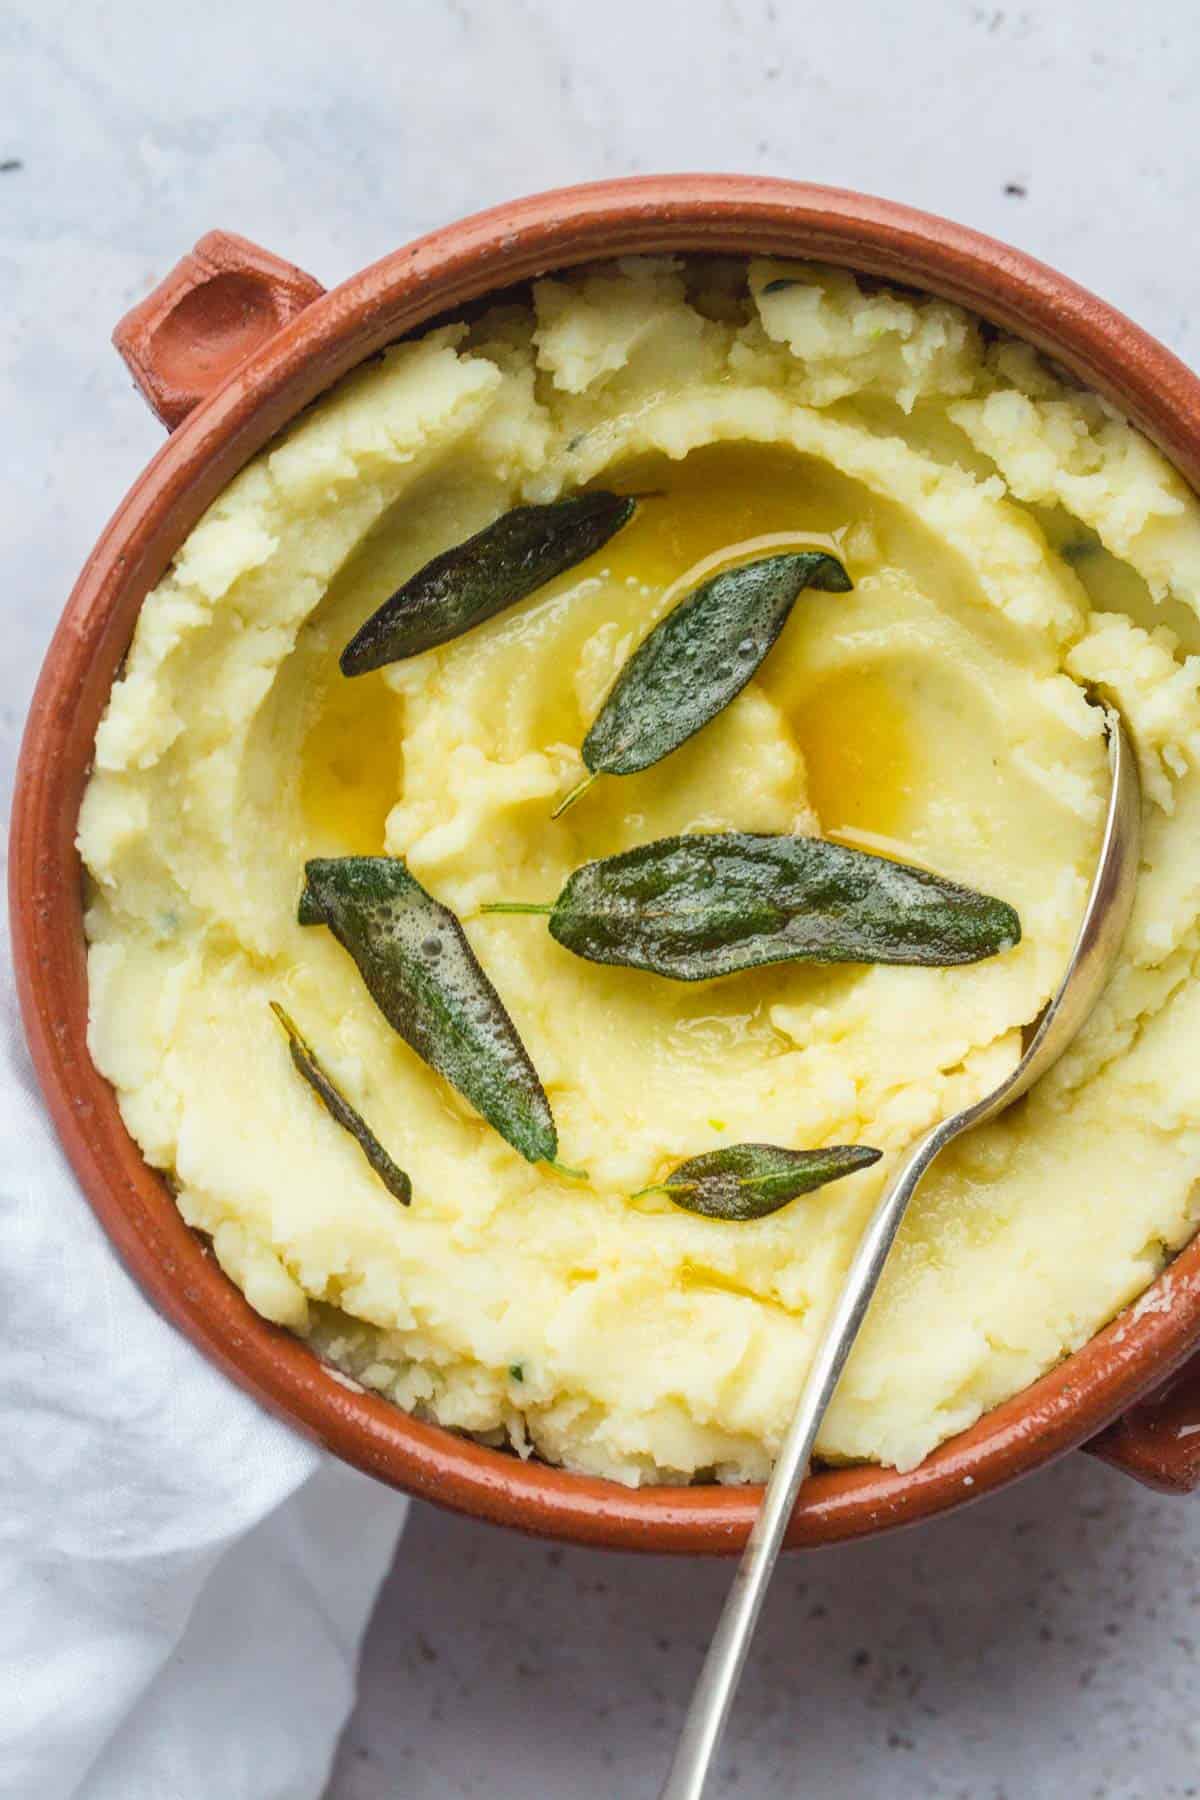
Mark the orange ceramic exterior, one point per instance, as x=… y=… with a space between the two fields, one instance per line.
x=230 y=348
x=224 y=299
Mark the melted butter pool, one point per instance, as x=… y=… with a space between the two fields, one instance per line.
x=721 y=505
x=351 y=764
x=856 y=739
x=730 y=503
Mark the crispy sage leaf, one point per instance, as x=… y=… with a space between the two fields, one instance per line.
x=336 y=1104
x=698 y=659
x=425 y=979
x=748 y=1181
x=472 y=582
x=697 y=906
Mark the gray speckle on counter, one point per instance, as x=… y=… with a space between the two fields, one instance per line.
x=1040 y=1646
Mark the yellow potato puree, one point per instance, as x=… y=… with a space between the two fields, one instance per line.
x=1010 y=539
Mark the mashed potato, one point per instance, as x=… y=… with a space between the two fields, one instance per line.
x=1010 y=538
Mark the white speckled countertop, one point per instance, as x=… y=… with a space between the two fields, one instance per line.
x=1040 y=1646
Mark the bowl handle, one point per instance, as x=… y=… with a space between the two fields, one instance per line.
x=1158 y=1440
x=222 y=301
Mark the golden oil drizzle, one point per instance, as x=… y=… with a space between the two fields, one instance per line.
x=854 y=734
x=351 y=764
x=720 y=505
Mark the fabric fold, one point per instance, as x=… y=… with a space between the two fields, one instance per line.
x=184 y=1582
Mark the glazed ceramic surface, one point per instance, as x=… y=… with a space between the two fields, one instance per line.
x=229 y=348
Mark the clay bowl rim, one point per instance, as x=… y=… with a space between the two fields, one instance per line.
x=426 y=279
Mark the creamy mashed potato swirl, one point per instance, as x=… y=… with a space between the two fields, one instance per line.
x=1011 y=539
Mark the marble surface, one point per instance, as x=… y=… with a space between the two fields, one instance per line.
x=1043 y=1643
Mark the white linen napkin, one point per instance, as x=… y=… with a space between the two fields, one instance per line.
x=184 y=1582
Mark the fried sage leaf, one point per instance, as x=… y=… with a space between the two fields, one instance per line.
x=697 y=906
x=336 y=1104
x=698 y=659
x=422 y=974
x=472 y=582
x=748 y=1181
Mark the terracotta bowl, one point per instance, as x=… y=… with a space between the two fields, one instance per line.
x=229 y=348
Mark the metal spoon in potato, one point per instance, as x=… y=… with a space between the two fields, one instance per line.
x=1105 y=918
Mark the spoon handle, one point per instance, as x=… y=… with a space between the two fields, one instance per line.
x=713 y=1696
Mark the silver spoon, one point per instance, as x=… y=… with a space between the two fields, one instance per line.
x=1099 y=939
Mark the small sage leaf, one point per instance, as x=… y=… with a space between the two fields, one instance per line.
x=697 y=906
x=699 y=658
x=500 y=565
x=749 y=1181
x=424 y=977
x=336 y=1104
x=778 y=285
